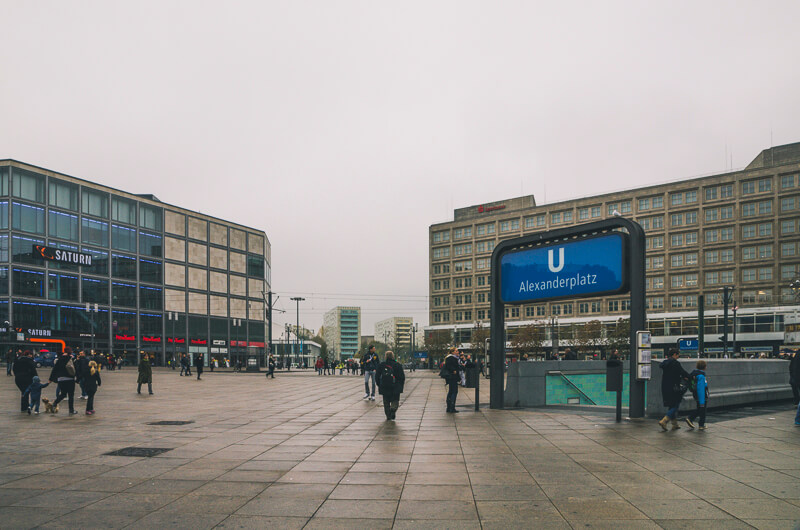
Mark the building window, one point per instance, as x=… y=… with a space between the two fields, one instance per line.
x=123 y=238
x=676 y=199
x=788 y=204
x=568 y=216
x=583 y=214
x=27 y=283
x=748 y=188
x=765 y=230
x=712 y=278
x=788 y=249
x=712 y=193
x=555 y=218
x=788 y=226
x=749 y=275
x=150 y=298
x=788 y=181
x=150 y=245
x=150 y=217
x=123 y=211
x=439 y=237
x=99 y=261
x=123 y=294
x=658 y=282
x=63 y=225
x=691 y=197
x=150 y=271
x=94 y=203
x=123 y=266
x=676 y=219
x=765 y=185
x=27 y=185
x=27 y=218
x=676 y=260
x=726 y=276
x=63 y=195
x=94 y=291
x=63 y=287
x=94 y=232
x=764 y=274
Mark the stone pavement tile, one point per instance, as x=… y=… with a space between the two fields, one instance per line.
x=769 y=524
x=42 y=482
x=521 y=513
x=384 y=467
x=194 y=472
x=311 y=477
x=442 y=459
x=357 y=509
x=348 y=524
x=518 y=492
x=18 y=517
x=584 y=478
x=385 y=457
x=425 y=492
x=162 y=519
x=281 y=507
x=166 y=486
x=759 y=508
x=367 y=491
x=620 y=524
x=311 y=465
x=680 y=509
x=241 y=489
x=579 y=491
x=299 y=491
x=626 y=477
x=90 y=518
x=761 y=475
x=724 y=491
x=269 y=465
x=11 y=477
x=432 y=524
x=237 y=475
x=439 y=478
x=392 y=479
x=135 y=501
x=691 y=524
x=109 y=484
x=9 y=496
x=259 y=522
x=582 y=509
x=76 y=499
x=501 y=479
x=192 y=503
x=781 y=490
x=447 y=510
x=653 y=491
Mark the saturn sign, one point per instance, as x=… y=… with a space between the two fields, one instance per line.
x=62 y=256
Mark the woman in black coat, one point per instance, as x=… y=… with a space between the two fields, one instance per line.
x=24 y=370
x=391 y=380
x=63 y=374
x=671 y=388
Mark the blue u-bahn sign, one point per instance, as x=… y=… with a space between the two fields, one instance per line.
x=591 y=266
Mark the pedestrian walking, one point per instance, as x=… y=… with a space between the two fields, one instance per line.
x=82 y=370
x=24 y=371
x=271 y=367
x=794 y=377
x=450 y=371
x=92 y=382
x=145 y=374
x=369 y=364
x=34 y=393
x=390 y=384
x=63 y=374
x=10 y=358
x=699 y=386
x=673 y=386
x=184 y=365
x=198 y=365
x=318 y=365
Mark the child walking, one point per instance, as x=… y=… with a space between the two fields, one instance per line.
x=699 y=386
x=35 y=392
x=91 y=382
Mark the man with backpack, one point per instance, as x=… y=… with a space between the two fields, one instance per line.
x=698 y=384
x=390 y=384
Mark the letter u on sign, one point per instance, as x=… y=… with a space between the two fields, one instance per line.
x=550 y=264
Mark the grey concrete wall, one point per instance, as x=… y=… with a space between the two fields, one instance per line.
x=731 y=382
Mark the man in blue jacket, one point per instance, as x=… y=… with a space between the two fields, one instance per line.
x=699 y=386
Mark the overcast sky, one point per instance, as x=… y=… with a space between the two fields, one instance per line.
x=344 y=129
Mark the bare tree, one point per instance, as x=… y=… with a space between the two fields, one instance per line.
x=529 y=339
x=589 y=336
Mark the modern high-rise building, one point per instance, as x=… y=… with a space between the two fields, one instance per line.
x=739 y=230
x=94 y=266
x=395 y=331
x=342 y=331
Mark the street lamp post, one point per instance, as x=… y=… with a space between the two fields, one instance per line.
x=297 y=329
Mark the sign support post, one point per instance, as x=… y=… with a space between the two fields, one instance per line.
x=601 y=240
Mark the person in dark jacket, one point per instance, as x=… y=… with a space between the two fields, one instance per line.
x=91 y=382
x=390 y=384
x=10 y=358
x=24 y=371
x=63 y=373
x=794 y=376
x=35 y=393
x=671 y=388
x=82 y=370
x=198 y=365
x=368 y=366
x=145 y=374
x=700 y=393
x=271 y=367
x=451 y=367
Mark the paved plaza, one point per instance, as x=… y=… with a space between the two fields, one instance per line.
x=304 y=451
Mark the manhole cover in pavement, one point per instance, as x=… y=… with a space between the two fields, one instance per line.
x=171 y=422
x=139 y=451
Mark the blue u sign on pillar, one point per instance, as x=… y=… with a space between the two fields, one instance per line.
x=592 y=266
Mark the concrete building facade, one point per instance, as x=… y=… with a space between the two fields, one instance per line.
x=342 y=331
x=395 y=331
x=739 y=229
x=124 y=273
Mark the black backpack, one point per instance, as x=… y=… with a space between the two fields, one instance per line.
x=387 y=376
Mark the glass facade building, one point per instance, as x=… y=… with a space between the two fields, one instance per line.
x=125 y=273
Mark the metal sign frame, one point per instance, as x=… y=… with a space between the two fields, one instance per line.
x=636 y=284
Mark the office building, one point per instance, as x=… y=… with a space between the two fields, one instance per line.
x=395 y=332
x=94 y=266
x=737 y=229
x=342 y=331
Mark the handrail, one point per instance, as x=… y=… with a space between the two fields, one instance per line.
x=573 y=385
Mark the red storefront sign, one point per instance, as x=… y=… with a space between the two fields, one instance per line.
x=125 y=337
x=257 y=344
x=156 y=340
x=176 y=341
x=199 y=342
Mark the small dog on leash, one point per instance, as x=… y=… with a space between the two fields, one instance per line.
x=48 y=406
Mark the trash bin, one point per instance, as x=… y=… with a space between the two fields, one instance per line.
x=613 y=375
x=470 y=376
x=252 y=364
